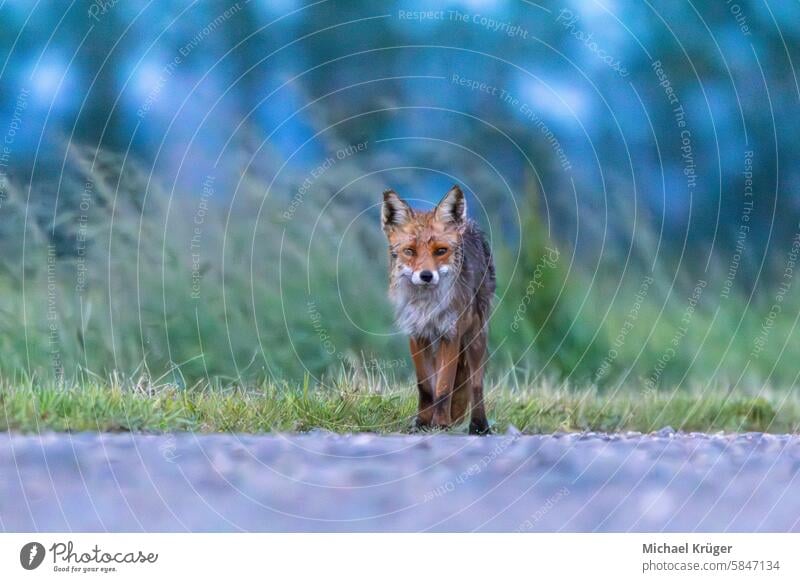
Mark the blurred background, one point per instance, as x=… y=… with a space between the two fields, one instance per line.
x=191 y=189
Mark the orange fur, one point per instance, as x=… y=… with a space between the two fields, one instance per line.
x=442 y=282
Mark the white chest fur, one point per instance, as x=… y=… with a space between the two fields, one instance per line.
x=425 y=313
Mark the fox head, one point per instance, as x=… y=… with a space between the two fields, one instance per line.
x=425 y=247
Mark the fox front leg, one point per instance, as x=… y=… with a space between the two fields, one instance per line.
x=476 y=353
x=424 y=365
x=446 y=367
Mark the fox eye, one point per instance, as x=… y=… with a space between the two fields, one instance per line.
x=440 y=251
x=409 y=252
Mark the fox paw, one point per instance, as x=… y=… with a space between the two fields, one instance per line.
x=441 y=423
x=479 y=427
x=418 y=424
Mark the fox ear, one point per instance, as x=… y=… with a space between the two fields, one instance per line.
x=453 y=207
x=396 y=212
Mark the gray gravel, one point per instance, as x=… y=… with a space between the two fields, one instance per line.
x=326 y=482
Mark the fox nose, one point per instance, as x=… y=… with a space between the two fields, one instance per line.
x=426 y=276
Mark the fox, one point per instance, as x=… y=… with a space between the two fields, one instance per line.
x=441 y=284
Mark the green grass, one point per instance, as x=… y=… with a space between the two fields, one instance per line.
x=345 y=407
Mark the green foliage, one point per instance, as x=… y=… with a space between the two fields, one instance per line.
x=538 y=322
x=630 y=318
x=271 y=288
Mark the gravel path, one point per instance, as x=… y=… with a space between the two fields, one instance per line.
x=326 y=482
